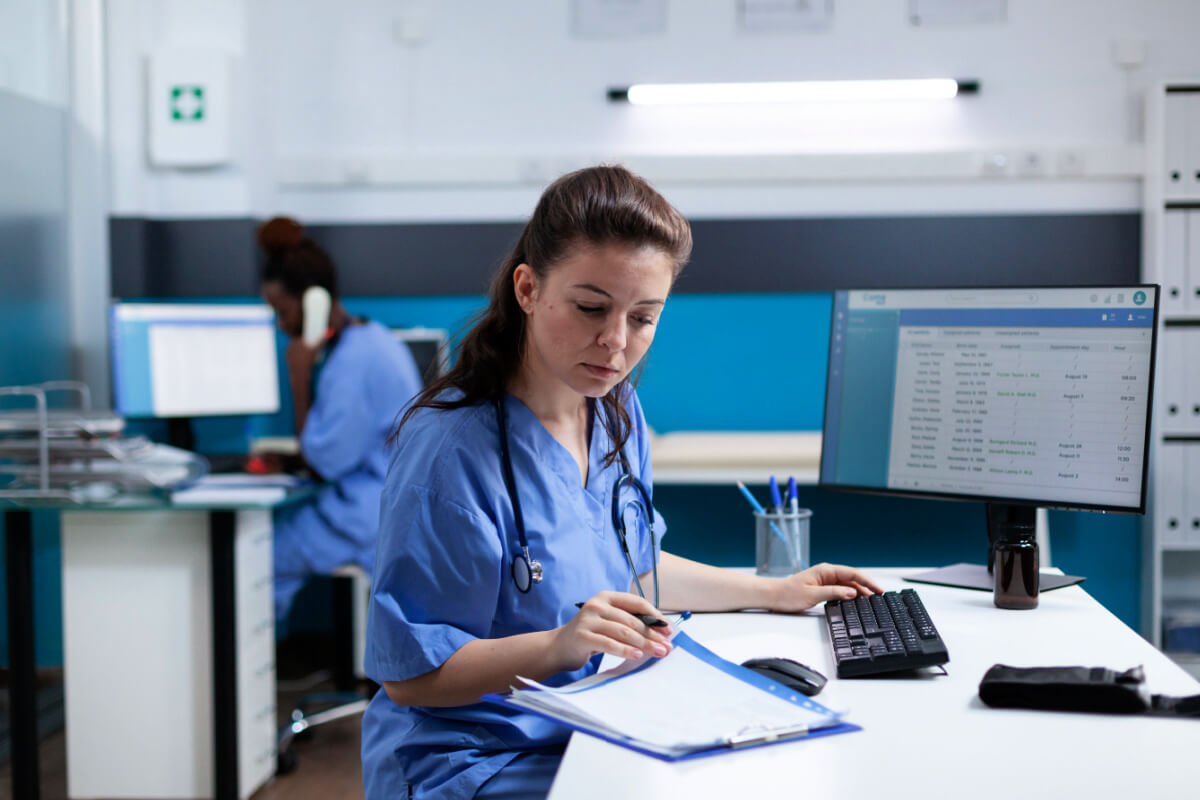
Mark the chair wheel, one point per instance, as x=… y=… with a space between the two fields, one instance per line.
x=285 y=762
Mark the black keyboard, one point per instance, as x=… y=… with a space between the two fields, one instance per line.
x=883 y=633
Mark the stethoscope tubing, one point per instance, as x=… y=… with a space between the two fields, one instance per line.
x=527 y=571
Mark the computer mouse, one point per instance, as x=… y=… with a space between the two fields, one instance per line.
x=792 y=674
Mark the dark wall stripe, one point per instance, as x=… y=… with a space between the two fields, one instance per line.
x=183 y=258
x=195 y=258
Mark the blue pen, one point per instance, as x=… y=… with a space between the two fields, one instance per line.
x=757 y=506
x=775 y=498
x=794 y=510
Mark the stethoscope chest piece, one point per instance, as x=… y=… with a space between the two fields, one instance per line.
x=526 y=571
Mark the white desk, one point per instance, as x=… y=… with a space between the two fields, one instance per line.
x=169 y=648
x=931 y=736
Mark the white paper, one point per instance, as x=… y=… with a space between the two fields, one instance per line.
x=238 y=495
x=678 y=703
x=247 y=480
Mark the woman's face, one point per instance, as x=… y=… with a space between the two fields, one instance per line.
x=593 y=316
x=289 y=314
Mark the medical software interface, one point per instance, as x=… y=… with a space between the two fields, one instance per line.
x=180 y=360
x=1038 y=394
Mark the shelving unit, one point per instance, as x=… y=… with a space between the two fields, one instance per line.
x=1171 y=258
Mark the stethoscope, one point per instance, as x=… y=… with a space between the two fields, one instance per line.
x=527 y=571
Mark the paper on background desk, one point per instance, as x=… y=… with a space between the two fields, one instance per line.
x=247 y=480
x=676 y=704
x=236 y=488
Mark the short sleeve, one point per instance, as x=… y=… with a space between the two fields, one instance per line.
x=436 y=583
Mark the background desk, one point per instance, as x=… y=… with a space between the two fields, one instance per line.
x=729 y=456
x=168 y=640
x=930 y=736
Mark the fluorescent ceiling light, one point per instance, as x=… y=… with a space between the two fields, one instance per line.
x=651 y=94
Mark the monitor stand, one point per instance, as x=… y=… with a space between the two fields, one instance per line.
x=181 y=434
x=1003 y=521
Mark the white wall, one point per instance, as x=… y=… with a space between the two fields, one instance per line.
x=33 y=60
x=340 y=119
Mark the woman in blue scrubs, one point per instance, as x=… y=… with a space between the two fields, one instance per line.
x=346 y=394
x=503 y=473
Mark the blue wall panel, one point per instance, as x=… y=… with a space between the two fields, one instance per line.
x=757 y=362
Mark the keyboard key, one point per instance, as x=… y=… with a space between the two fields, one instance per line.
x=883 y=633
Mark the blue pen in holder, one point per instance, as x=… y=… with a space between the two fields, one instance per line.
x=781 y=541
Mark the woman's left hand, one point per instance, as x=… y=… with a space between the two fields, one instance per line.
x=818 y=584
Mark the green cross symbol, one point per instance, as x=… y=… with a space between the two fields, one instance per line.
x=187 y=103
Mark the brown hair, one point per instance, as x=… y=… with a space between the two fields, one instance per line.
x=594 y=206
x=294 y=259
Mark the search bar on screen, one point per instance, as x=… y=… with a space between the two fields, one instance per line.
x=993 y=298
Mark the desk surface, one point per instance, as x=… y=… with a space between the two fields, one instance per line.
x=932 y=728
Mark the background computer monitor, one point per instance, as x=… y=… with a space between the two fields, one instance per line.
x=430 y=349
x=1017 y=398
x=185 y=360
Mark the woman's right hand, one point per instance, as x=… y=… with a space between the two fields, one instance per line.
x=607 y=624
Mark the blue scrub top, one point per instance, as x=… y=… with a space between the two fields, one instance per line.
x=367 y=378
x=442 y=578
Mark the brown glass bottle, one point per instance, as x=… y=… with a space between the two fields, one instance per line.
x=1015 y=571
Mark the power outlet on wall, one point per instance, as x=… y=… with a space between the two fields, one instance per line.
x=995 y=164
x=1031 y=163
x=1071 y=163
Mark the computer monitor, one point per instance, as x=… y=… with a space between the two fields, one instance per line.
x=430 y=349
x=1017 y=398
x=185 y=360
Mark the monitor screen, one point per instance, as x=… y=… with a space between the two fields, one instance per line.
x=183 y=360
x=1034 y=397
x=430 y=348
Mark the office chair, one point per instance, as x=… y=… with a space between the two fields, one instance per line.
x=351 y=590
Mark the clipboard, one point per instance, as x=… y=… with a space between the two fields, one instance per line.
x=694 y=667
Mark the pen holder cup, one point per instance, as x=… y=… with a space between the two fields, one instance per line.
x=781 y=542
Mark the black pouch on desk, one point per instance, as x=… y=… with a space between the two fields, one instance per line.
x=1080 y=689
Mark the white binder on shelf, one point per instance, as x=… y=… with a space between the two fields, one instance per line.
x=1190 y=263
x=1175 y=134
x=1191 y=153
x=1168 y=493
x=1170 y=380
x=1186 y=346
x=1190 y=490
x=1174 y=261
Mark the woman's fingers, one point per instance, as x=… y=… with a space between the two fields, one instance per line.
x=628 y=635
x=629 y=608
x=849 y=576
x=620 y=641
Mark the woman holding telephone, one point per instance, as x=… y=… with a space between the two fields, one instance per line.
x=349 y=377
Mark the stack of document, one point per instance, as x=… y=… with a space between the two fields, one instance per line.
x=689 y=703
x=238 y=489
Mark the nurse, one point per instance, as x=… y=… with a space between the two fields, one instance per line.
x=346 y=394
x=520 y=486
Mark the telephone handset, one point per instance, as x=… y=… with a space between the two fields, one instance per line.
x=316 y=304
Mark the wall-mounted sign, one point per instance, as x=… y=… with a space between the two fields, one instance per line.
x=189 y=107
